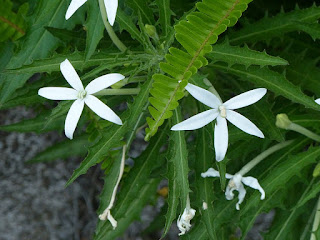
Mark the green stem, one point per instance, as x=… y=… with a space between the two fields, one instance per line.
x=110 y=31
x=304 y=131
x=262 y=156
x=316 y=221
x=121 y=91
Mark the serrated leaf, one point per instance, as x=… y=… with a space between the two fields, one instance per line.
x=243 y=56
x=165 y=15
x=205 y=194
x=141 y=7
x=270 y=27
x=62 y=150
x=273 y=81
x=38 y=43
x=94 y=27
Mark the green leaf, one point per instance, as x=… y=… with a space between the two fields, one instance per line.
x=94 y=27
x=141 y=6
x=196 y=35
x=126 y=23
x=243 y=55
x=113 y=134
x=52 y=64
x=38 y=43
x=38 y=124
x=6 y=52
x=270 y=27
x=179 y=158
x=137 y=187
x=273 y=81
x=205 y=193
x=165 y=15
x=12 y=25
x=63 y=150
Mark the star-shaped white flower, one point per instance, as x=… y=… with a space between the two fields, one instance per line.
x=236 y=183
x=82 y=96
x=222 y=112
x=111 y=8
x=183 y=222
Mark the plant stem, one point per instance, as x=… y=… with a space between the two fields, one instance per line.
x=110 y=31
x=316 y=221
x=121 y=91
x=262 y=156
x=304 y=131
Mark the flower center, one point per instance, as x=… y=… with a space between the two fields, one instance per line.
x=223 y=111
x=82 y=94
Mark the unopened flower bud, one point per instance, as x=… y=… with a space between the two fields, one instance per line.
x=316 y=171
x=283 y=121
x=151 y=31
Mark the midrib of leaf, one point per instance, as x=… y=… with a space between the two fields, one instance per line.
x=16 y=27
x=49 y=24
x=194 y=58
x=141 y=10
x=244 y=57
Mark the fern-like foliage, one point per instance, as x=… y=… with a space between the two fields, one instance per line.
x=196 y=34
x=12 y=25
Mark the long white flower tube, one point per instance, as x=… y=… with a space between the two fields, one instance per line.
x=82 y=96
x=111 y=8
x=222 y=112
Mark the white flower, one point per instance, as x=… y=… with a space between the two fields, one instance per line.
x=82 y=96
x=183 y=222
x=222 y=112
x=111 y=8
x=236 y=183
x=317 y=101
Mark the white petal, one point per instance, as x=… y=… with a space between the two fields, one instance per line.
x=242 y=194
x=73 y=117
x=203 y=96
x=71 y=75
x=58 y=93
x=73 y=7
x=317 y=100
x=214 y=173
x=102 y=110
x=243 y=123
x=221 y=138
x=245 y=99
x=113 y=222
x=103 y=82
x=111 y=7
x=253 y=183
x=197 y=121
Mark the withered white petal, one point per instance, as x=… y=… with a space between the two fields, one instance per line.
x=253 y=183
